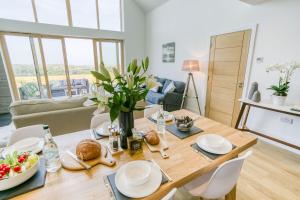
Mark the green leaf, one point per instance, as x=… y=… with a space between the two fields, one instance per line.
x=99 y=76
x=114 y=112
x=146 y=63
x=116 y=72
x=104 y=71
x=108 y=88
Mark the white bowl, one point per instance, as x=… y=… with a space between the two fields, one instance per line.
x=18 y=179
x=214 y=141
x=137 y=172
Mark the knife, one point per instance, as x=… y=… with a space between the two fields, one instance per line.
x=83 y=164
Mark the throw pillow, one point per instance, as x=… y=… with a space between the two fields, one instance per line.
x=155 y=89
x=170 y=88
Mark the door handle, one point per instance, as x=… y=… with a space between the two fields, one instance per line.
x=241 y=85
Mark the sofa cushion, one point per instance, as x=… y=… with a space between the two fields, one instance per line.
x=44 y=105
x=162 y=82
x=180 y=86
x=167 y=82
x=170 y=88
x=155 y=98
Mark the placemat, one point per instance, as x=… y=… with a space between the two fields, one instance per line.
x=37 y=181
x=212 y=156
x=118 y=195
x=180 y=134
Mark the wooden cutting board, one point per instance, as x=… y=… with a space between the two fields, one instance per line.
x=69 y=163
x=161 y=147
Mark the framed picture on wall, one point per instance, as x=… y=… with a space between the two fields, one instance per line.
x=168 y=52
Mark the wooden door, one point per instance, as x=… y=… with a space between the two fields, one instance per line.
x=227 y=65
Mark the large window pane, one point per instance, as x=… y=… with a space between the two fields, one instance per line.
x=109 y=54
x=43 y=87
x=55 y=67
x=110 y=15
x=84 y=13
x=52 y=11
x=23 y=66
x=81 y=62
x=16 y=9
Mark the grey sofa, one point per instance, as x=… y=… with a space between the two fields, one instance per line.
x=171 y=101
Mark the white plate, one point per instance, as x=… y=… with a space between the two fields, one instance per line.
x=32 y=144
x=102 y=129
x=168 y=117
x=214 y=144
x=139 y=191
x=18 y=179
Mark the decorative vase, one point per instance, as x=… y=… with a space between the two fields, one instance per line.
x=278 y=100
x=126 y=123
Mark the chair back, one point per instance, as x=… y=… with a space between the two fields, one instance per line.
x=99 y=119
x=170 y=195
x=224 y=178
x=26 y=132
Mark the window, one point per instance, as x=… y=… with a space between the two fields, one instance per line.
x=84 y=14
x=97 y=14
x=56 y=67
x=110 y=15
x=81 y=62
x=24 y=70
x=17 y=10
x=51 y=11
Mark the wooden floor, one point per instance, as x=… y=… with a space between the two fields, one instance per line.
x=270 y=173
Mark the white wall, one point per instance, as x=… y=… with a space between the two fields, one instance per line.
x=191 y=23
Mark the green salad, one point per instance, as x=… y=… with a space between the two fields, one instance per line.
x=16 y=163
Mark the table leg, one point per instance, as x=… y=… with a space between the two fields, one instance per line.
x=232 y=194
x=240 y=116
x=246 y=117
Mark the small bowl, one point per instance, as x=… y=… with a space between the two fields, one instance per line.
x=137 y=172
x=184 y=123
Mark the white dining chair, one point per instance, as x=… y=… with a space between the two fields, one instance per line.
x=151 y=109
x=170 y=195
x=218 y=183
x=26 y=132
x=99 y=119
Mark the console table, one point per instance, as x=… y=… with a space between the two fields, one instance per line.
x=244 y=112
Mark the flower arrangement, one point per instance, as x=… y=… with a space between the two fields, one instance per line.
x=120 y=93
x=286 y=71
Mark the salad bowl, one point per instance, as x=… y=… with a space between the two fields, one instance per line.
x=14 y=173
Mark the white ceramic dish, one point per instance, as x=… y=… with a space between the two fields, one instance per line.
x=214 y=144
x=139 y=191
x=168 y=117
x=19 y=179
x=32 y=144
x=137 y=172
x=103 y=129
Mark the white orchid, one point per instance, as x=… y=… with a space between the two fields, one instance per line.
x=286 y=70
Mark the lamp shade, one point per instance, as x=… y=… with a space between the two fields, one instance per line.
x=191 y=65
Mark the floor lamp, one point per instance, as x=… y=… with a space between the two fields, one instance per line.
x=190 y=66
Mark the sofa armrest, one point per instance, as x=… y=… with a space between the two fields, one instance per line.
x=59 y=121
x=172 y=101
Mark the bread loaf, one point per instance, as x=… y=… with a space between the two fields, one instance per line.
x=152 y=138
x=88 y=149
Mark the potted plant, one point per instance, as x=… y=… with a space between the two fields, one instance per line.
x=282 y=88
x=121 y=92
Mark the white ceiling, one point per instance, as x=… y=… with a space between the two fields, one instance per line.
x=148 y=5
x=254 y=2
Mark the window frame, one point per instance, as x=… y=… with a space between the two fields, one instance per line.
x=97 y=57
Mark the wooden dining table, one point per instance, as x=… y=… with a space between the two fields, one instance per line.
x=182 y=166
